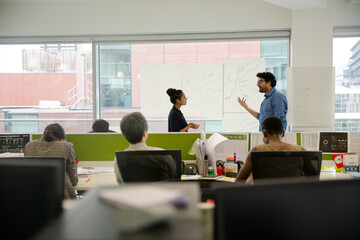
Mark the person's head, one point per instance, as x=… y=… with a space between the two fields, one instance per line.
x=177 y=96
x=272 y=126
x=134 y=127
x=53 y=132
x=100 y=125
x=266 y=81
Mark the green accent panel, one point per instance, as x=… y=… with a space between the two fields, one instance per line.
x=95 y=147
x=298 y=139
x=102 y=146
x=327 y=157
x=182 y=141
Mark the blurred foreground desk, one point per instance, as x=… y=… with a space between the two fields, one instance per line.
x=92 y=219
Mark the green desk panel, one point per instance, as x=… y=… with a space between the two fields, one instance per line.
x=102 y=146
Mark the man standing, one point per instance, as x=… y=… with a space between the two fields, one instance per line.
x=274 y=104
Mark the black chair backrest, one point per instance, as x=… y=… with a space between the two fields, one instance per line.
x=286 y=164
x=280 y=210
x=31 y=194
x=144 y=166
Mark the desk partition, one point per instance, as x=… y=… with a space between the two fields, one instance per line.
x=102 y=146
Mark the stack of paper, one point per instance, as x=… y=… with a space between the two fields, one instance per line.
x=142 y=206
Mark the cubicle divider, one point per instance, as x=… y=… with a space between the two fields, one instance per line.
x=102 y=146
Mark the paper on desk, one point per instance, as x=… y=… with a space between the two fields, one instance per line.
x=354 y=142
x=93 y=170
x=256 y=139
x=141 y=196
x=8 y=154
x=237 y=143
x=310 y=141
x=211 y=143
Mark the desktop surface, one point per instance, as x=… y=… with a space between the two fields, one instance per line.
x=93 y=219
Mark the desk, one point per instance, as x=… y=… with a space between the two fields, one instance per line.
x=92 y=219
x=107 y=178
x=102 y=175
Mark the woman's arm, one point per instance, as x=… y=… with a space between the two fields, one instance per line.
x=190 y=125
x=71 y=167
x=245 y=170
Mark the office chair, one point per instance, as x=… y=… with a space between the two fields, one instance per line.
x=145 y=166
x=297 y=209
x=285 y=164
x=31 y=195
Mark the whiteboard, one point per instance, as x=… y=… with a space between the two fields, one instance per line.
x=234 y=122
x=240 y=81
x=202 y=85
x=311 y=92
x=155 y=80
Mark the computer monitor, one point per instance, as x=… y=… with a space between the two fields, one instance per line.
x=286 y=164
x=289 y=210
x=121 y=156
x=31 y=194
x=13 y=143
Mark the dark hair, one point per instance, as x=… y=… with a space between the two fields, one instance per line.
x=273 y=126
x=100 y=125
x=133 y=126
x=174 y=94
x=267 y=76
x=53 y=132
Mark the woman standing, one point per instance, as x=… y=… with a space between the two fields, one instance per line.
x=176 y=120
x=53 y=144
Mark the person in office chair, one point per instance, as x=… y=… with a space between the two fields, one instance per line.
x=53 y=144
x=272 y=129
x=100 y=125
x=134 y=128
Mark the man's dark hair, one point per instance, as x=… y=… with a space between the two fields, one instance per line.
x=100 y=125
x=273 y=126
x=133 y=126
x=53 y=132
x=267 y=76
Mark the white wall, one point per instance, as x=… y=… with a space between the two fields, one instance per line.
x=140 y=16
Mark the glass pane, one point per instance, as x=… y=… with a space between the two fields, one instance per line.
x=47 y=82
x=347 y=82
x=120 y=67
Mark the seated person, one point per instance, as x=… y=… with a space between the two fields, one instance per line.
x=100 y=125
x=272 y=130
x=53 y=144
x=134 y=128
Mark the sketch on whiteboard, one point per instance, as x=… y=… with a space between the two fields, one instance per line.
x=202 y=85
x=240 y=81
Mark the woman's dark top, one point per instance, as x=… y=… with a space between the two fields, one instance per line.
x=176 y=120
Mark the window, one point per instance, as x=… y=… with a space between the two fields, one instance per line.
x=120 y=71
x=48 y=83
x=347 y=83
x=51 y=79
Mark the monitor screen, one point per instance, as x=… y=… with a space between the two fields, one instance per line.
x=286 y=164
x=292 y=210
x=174 y=153
x=31 y=194
x=13 y=143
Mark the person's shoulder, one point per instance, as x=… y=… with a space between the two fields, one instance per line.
x=154 y=148
x=64 y=143
x=293 y=147
x=33 y=143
